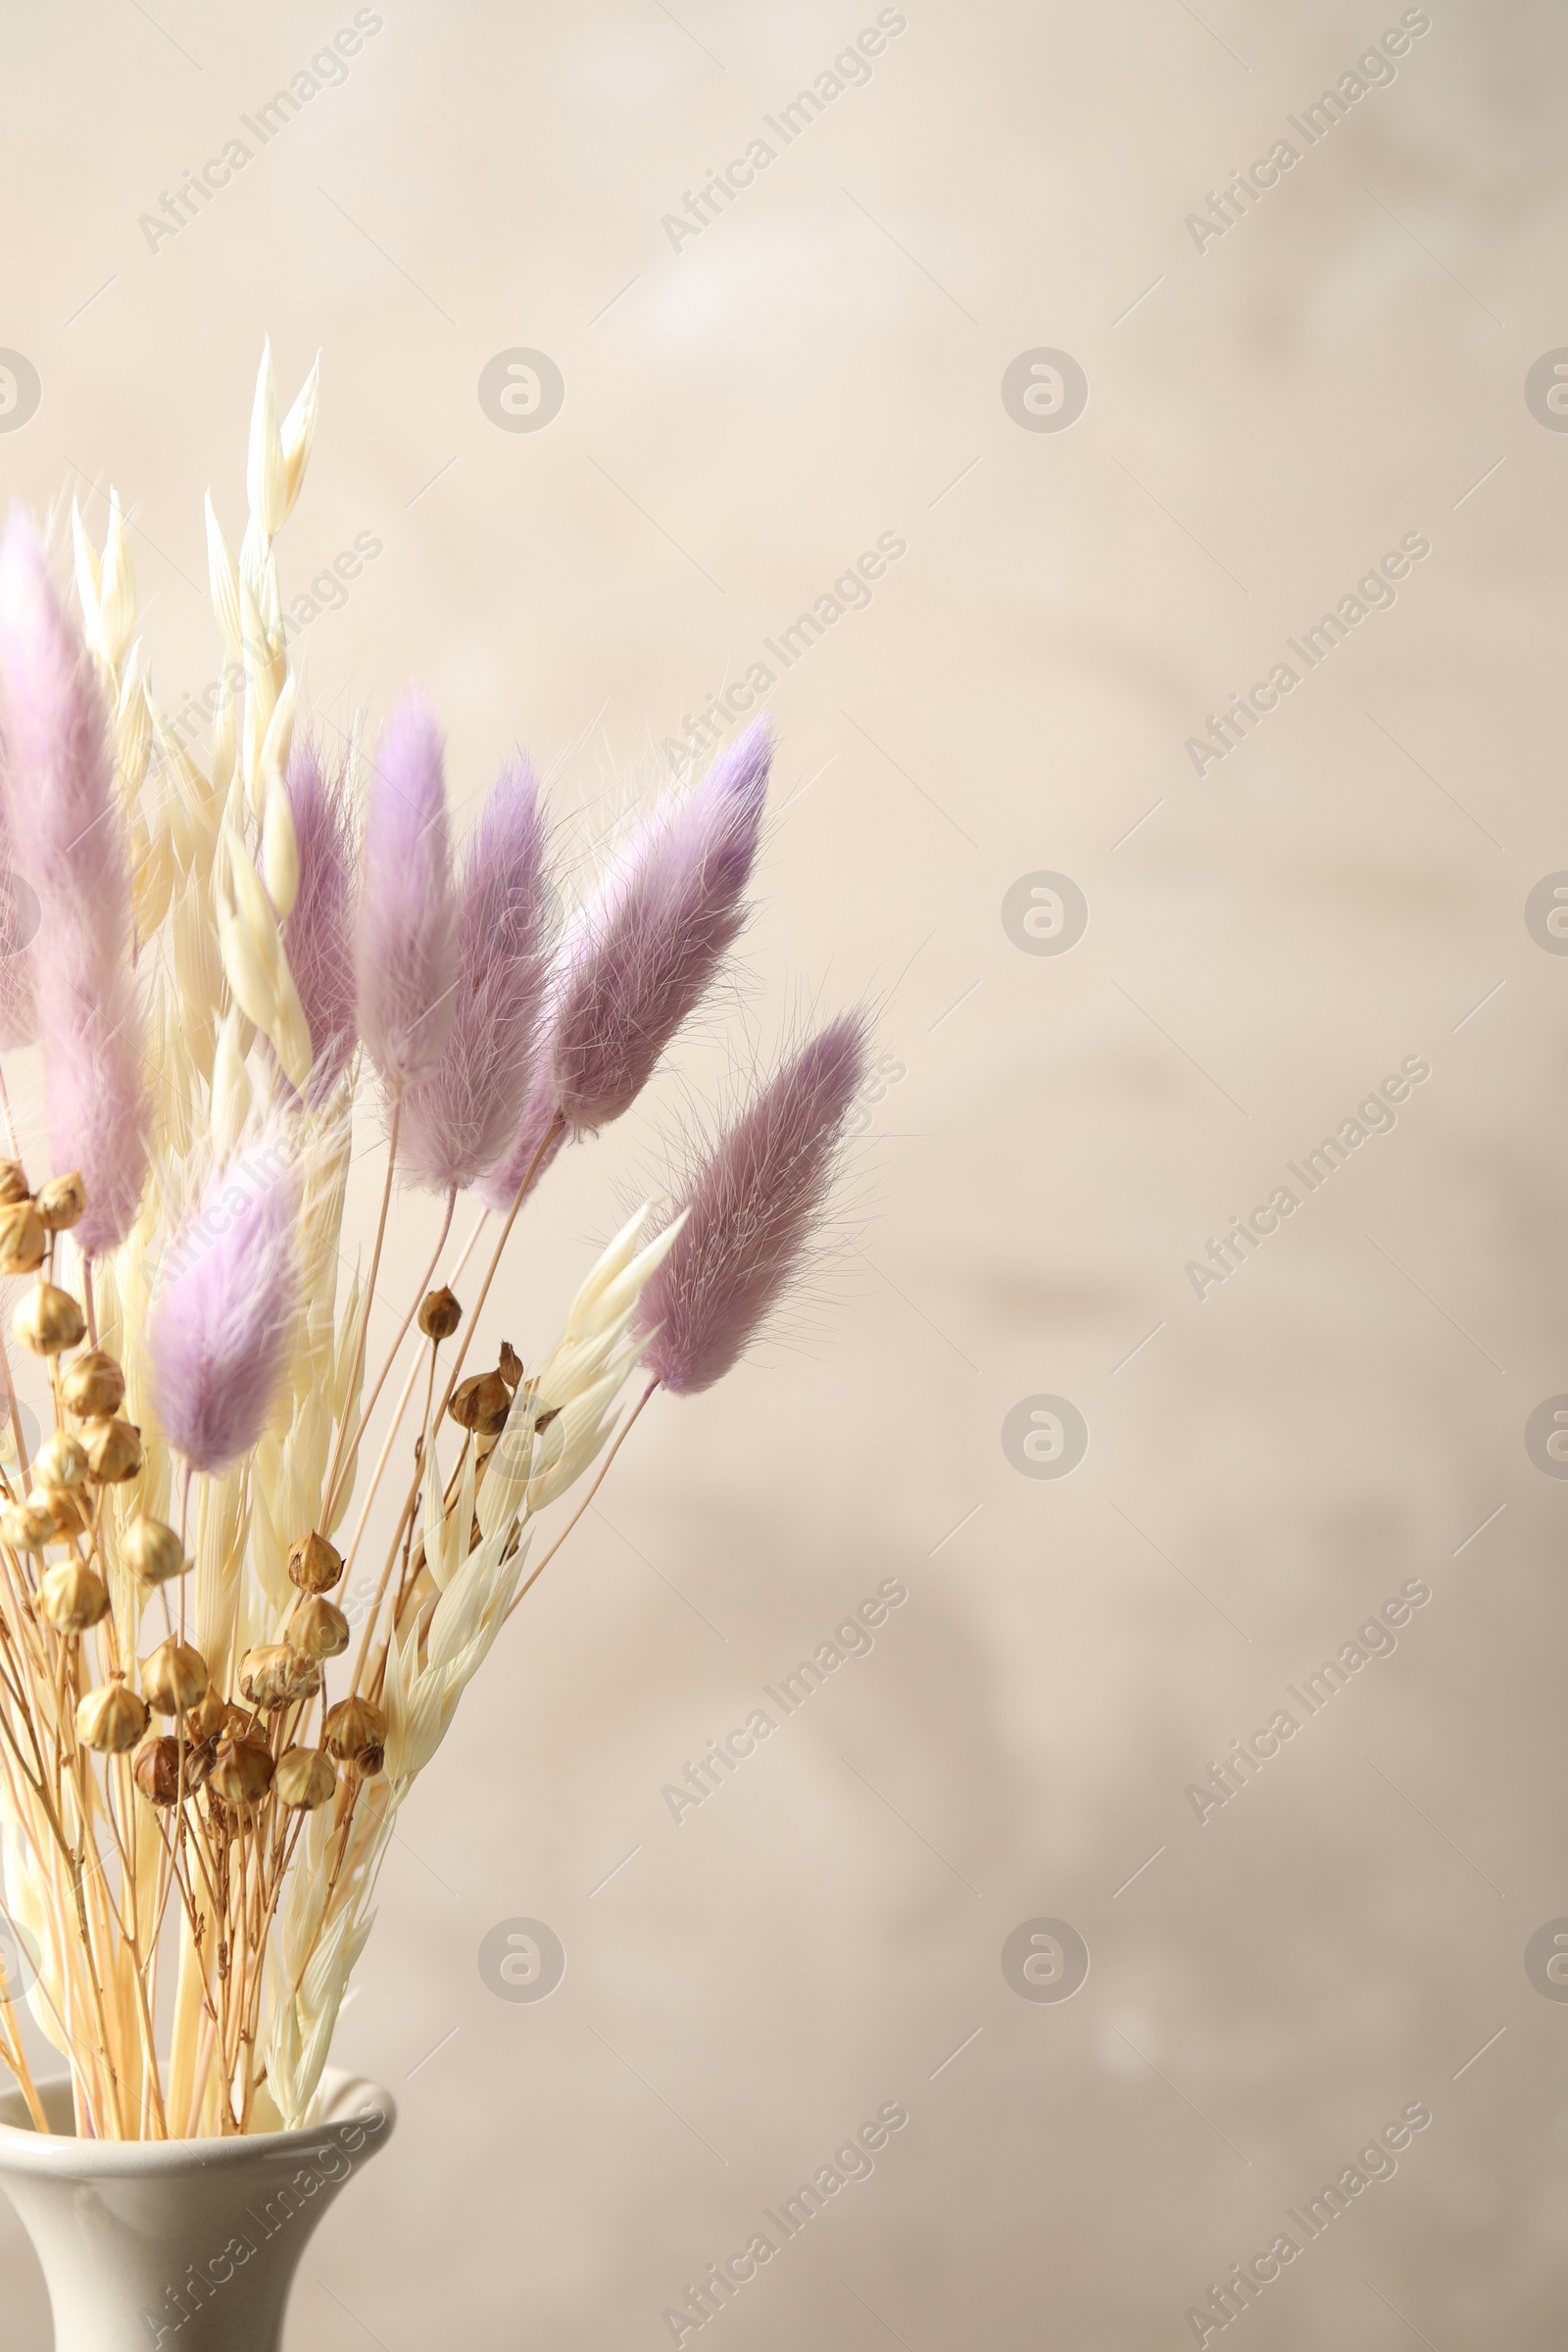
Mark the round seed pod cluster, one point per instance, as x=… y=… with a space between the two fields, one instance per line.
x=175 y=1683
x=57 y=1204
x=91 y=1389
x=214 y=1743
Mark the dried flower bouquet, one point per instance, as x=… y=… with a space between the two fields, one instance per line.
x=199 y=1766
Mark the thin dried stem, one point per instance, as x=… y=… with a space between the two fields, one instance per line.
x=620 y=1436
x=330 y=1483
x=391 y=1355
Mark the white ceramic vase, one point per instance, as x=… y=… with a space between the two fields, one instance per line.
x=179 y=2246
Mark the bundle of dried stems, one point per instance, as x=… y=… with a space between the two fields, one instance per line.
x=228 y=957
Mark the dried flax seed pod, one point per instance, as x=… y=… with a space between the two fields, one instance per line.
x=275 y=1676
x=481 y=1403
x=439 y=1314
x=209 y=1716
x=313 y=1564
x=318 y=1629
x=73 y=1598
x=152 y=1551
x=61 y=1202
x=25 y=1526
x=174 y=1678
x=60 y=1461
x=304 y=1779
x=155 y=1768
x=67 y=1512
x=23 y=1240
x=14 y=1185
x=242 y=1771
x=355 y=1733
x=114 y=1451
x=93 y=1386
x=111 y=1719
x=48 y=1320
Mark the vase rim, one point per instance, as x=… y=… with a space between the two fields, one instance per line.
x=345 y=2102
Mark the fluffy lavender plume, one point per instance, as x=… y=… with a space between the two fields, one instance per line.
x=221 y=1317
x=538 y=1136
x=318 y=936
x=405 y=931
x=644 y=950
x=457 y=1123
x=19 y=925
x=752 y=1207
x=68 y=844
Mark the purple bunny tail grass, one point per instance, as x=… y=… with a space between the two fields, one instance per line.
x=18 y=924
x=68 y=846
x=318 y=936
x=459 y=1122
x=647 y=945
x=19 y=927
x=638 y=958
x=222 y=1315
x=406 y=933
x=753 y=1208
x=538 y=1136
x=60 y=782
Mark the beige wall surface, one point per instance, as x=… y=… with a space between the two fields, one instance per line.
x=1285 y=387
